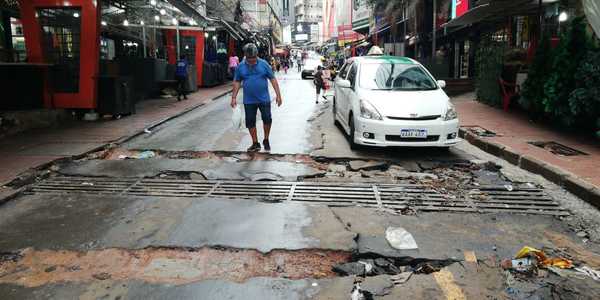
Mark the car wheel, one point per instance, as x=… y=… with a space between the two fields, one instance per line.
x=353 y=145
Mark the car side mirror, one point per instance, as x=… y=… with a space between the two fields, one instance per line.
x=441 y=83
x=344 y=83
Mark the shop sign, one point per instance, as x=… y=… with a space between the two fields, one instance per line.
x=459 y=8
x=360 y=14
x=301 y=37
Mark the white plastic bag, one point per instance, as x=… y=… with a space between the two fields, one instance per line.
x=238 y=118
x=400 y=239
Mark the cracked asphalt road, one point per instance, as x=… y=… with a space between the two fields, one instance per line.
x=108 y=238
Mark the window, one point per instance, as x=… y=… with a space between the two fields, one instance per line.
x=344 y=70
x=395 y=76
x=61 y=31
x=352 y=75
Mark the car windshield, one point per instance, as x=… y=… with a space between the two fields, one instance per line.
x=395 y=76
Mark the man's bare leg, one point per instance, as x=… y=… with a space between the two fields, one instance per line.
x=267 y=128
x=253 y=135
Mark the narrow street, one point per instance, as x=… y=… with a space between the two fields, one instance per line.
x=183 y=212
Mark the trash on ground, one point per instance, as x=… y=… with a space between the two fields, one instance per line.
x=585 y=270
x=141 y=155
x=351 y=268
x=359 y=294
x=400 y=239
x=87 y=183
x=401 y=278
x=529 y=259
x=508 y=187
x=542 y=259
x=146 y=130
x=146 y=154
x=522 y=265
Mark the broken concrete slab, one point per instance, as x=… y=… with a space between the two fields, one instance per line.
x=378 y=245
x=378 y=285
x=209 y=168
x=335 y=168
x=84 y=222
x=485 y=177
x=357 y=165
x=135 y=167
x=245 y=170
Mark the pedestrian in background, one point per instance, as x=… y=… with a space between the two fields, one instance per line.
x=253 y=75
x=319 y=83
x=234 y=61
x=181 y=72
x=299 y=62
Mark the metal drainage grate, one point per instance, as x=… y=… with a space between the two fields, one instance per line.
x=478 y=130
x=391 y=196
x=558 y=149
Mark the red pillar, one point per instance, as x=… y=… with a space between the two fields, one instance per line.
x=231 y=47
x=170 y=35
x=89 y=49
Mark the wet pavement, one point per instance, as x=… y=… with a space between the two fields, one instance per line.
x=181 y=225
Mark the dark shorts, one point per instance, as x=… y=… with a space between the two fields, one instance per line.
x=265 y=113
x=318 y=88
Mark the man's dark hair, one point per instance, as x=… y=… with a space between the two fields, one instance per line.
x=250 y=50
x=182 y=56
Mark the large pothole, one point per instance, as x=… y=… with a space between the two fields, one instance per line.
x=32 y=268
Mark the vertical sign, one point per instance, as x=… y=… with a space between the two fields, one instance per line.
x=462 y=6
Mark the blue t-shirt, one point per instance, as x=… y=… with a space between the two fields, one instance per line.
x=255 y=81
x=181 y=69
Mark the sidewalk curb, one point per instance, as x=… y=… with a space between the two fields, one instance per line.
x=570 y=182
x=8 y=195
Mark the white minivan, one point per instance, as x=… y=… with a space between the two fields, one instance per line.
x=393 y=101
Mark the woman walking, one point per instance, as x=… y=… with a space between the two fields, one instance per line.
x=319 y=83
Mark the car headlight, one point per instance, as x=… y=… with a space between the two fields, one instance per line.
x=368 y=111
x=450 y=113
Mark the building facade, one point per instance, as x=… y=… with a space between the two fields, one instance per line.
x=308 y=21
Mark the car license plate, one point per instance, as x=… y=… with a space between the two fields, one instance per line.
x=413 y=133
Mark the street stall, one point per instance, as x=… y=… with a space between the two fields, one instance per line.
x=104 y=56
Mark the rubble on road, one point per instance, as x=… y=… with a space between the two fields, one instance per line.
x=357 y=165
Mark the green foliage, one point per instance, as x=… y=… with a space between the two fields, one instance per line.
x=533 y=92
x=488 y=62
x=570 y=52
x=584 y=100
x=564 y=84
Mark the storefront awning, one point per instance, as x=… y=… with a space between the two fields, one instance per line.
x=592 y=11
x=234 y=33
x=493 y=10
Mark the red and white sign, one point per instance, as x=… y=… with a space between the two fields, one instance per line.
x=462 y=6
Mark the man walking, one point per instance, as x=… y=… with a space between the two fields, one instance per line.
x=181 y=77
x=253 y=75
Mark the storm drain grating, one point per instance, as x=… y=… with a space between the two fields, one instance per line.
x=558 y=149
x=390 y=196
x=479 y=131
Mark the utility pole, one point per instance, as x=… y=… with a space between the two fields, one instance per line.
x=541 y=16
x=144 y=39
x=433 y=32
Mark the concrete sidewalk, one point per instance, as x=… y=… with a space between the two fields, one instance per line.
x=30 y=149
x=579 y=174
